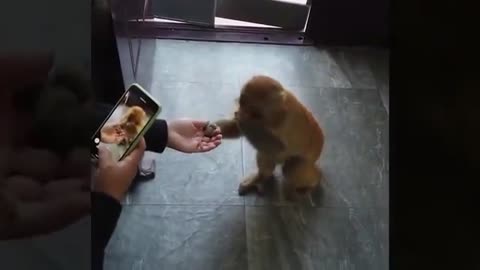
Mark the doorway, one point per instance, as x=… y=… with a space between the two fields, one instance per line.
x=264 y=21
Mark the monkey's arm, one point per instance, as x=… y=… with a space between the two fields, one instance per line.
x=229 y=128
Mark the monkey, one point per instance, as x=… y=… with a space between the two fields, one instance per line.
x=283 y=132
x=126 y=129
x=132 y=122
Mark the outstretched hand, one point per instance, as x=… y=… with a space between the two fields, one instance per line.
x=187 y=135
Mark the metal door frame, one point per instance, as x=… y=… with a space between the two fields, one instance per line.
x=139 y=26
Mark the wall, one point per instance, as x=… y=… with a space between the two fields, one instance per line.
x=349 y=22
x=61 y=26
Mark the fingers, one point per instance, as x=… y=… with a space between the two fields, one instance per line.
x=39 y=164
x=217 y=131
x=142 y=145
x=49 y=215
x=218 y=137
x=199 y=124
x=136 y=155
x=23 y=70
x=208 y=146
x=77 y=164
x=64 y=187
x=24 y=188
x=104 y=156
x=8 y=211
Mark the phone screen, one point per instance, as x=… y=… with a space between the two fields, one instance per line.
x=128 y=120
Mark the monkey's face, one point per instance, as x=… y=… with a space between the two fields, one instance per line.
x=135 y=115
x=130 y=130
x=261 y=102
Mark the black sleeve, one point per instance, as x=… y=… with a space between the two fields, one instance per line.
x=105 y=213
x=156 y=137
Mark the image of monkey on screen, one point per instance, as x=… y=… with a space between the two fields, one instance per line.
x=123 y=126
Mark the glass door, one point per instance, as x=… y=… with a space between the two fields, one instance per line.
x=196 y=12
x=291 y=15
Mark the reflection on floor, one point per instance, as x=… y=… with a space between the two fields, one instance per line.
x=190 y=216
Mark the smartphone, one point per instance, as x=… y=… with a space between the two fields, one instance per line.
x=126 y=123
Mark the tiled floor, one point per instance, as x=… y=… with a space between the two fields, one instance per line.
x=190 y=216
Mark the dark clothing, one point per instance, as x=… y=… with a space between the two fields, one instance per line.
x=105 y=209
x=105 y=213
x=107 y=76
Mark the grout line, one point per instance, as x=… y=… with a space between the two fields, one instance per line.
x=242 y=147
x=255 y=206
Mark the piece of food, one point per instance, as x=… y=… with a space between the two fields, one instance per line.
x=209 y=129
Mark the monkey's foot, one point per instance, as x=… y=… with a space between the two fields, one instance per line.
x=251 y=183
x=290 y=192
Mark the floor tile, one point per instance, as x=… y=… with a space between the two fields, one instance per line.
x=316 y=238
x=193 y=61
x=208 y=101
x=293 y=65
x=173 y=237
x=210 y=178
x=190 y=61
x=380 y=65
x=355 y=64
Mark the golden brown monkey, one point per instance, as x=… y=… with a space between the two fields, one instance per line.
x=132 y=122
x=127 y=129
x=282 y=130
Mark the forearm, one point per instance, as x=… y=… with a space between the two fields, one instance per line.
x=229 y=128
x=105 y=214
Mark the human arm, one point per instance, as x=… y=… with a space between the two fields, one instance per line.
x=111 y=182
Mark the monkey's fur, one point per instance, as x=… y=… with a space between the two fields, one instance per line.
x=282 y=130
x=132 y=122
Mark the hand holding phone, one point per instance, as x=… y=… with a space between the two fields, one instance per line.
x=126 y=124
x=115 y=177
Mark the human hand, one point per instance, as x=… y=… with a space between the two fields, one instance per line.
x=187 y=135
x=43 y=194
x=115 y=177
x=112 y=134
x=40 y=192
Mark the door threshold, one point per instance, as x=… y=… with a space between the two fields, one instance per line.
x=238 y=34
